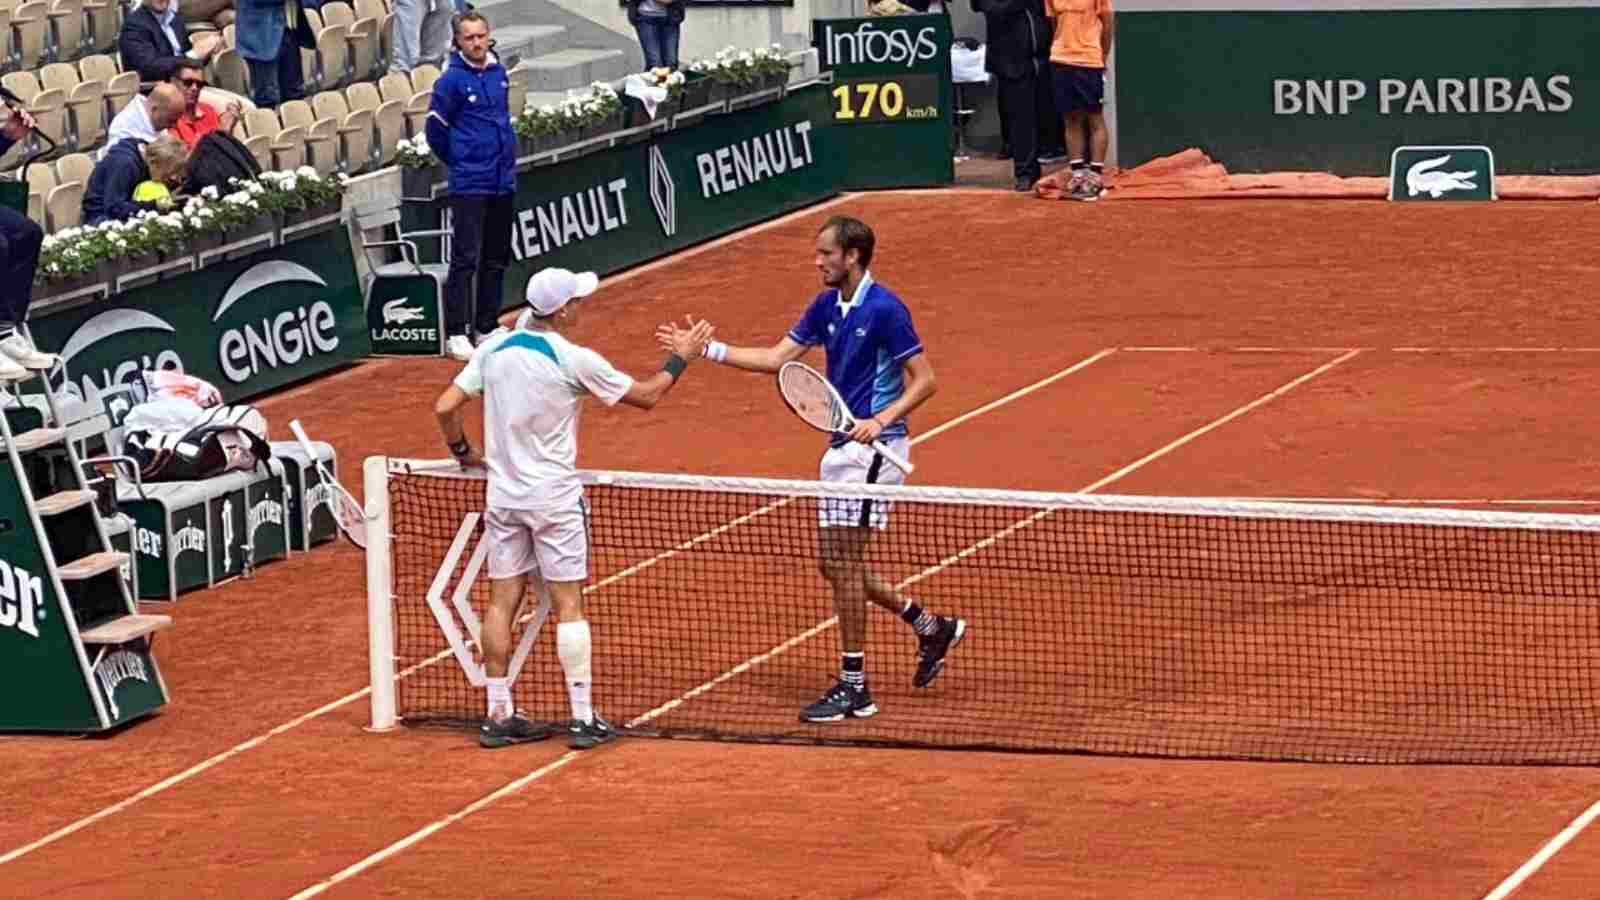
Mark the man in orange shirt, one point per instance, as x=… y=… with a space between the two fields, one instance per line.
x=1078 y=76
x=198 y=119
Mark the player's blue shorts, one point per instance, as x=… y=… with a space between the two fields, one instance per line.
x=1077 y=88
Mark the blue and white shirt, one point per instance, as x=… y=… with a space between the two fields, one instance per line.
x=868 y=339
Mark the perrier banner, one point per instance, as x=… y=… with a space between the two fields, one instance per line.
x=247 y=326
x=890 y=103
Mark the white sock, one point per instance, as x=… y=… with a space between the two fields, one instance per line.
x=572 y=646
x=499 y=697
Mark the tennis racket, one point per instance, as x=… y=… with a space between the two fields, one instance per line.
x=817 y=404
x=347 y=513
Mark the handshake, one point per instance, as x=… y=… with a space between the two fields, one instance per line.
x=688 y=341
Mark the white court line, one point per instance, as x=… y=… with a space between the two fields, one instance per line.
x=830 y=622
x=748 y=664
x=1515 y=879
x=447 y=653
x=992 y=539
x=1414 y=501
x=423 y=832
x=1254 y=404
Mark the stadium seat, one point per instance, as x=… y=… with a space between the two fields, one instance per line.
x=36 y=210
x=42 y=179
x=5 y=35
x=361 y=38
x=86 y=122
x=332 y=56
x=319 y=134
x=229 y=72
x=286 y=147
x=388 y=118
x=355 y=129
x=423 y=77
x=102 y=21
x=395 y=86
x=517 y=93
x=378 y=12
x=74 y=167
x=417 y=113
x=49 y=108
x=120 y=87
x=63 y=205
x=66 y=30
x=29 y=27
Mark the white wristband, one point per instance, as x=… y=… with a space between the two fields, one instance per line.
x=716 y=351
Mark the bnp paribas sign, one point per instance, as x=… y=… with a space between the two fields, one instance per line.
x=1441 y=173
x=247 y=326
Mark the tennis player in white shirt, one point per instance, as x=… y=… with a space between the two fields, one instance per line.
x=533 y=379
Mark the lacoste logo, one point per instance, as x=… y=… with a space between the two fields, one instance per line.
x=1422 y=179
x=861 y=332
x=394 y=313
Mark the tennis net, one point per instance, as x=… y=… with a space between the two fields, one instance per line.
x=1174 y=627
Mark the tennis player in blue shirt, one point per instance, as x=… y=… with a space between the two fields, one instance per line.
x=877 y=364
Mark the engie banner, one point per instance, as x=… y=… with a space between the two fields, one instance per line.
x=1293 y=87
x=247 y=326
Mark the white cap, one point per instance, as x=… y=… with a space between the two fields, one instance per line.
x=551 y=289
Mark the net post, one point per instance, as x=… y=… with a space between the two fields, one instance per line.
x=380 y=582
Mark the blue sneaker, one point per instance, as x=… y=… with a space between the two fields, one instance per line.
x=932 y=650
x=515 y=730
x=841 y=701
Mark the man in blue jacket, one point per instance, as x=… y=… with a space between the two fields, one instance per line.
x=469 y=128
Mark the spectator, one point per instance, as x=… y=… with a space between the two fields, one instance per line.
x=153 y=33
x=145 y=117
x=1078 y=73
x=270 y=34
x=1018 y=53
x=421 y=33
x=199 y=119
x=469 y=129
x=657 y=22
x=20 y=240
x=126 y=166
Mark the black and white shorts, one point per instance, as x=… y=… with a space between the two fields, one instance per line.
x=856 y=463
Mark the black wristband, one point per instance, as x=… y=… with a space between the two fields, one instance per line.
x=460 y=448
x=674 y=366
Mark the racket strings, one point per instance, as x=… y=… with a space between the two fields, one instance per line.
x=812 y=398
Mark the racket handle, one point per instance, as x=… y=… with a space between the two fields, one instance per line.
x=899 y=461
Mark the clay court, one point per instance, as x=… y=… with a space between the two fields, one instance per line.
x=1351 y=349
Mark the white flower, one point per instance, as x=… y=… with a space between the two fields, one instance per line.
x=209 y=192
x=306 y=172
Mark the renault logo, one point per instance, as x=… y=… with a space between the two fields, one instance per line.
x=663 y=194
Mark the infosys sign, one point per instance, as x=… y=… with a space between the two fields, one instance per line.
x=269 y=320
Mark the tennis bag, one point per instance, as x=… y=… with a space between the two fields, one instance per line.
x=216 y=160
x=224 y=439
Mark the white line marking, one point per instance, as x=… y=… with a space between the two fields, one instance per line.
x=1414 y=501
x=423 y=832
x=447 y=653
x=1014 y=395
x=1198 y=432
x=1550 y=849
x=1495 y=349
x=989 y=541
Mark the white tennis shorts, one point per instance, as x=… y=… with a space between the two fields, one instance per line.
x=554 y=542
x=859 y=464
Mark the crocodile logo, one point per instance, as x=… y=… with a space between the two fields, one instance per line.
x=1422 y=179
x=395 y=313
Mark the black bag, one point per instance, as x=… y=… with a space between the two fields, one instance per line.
x=228 y=438
x=218 y=158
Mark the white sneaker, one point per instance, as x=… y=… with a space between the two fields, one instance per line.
x=22 y=352
x=11 y=371
x=458 y=347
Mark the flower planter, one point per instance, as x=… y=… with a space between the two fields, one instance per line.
x=696 y=91
x=293 y=217
x=69 y=285
x=609 y=125
x=416 y=182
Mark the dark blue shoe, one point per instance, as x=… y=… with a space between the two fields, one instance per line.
x=515 y=730
x=931 y=650
x=840 y=702
x=588 y=735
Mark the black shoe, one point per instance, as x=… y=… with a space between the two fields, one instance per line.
x=1025 y=185
x=840 y=701
x=589 y=735
x=931 y=650
x=1049 y=157
x=515 y=730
